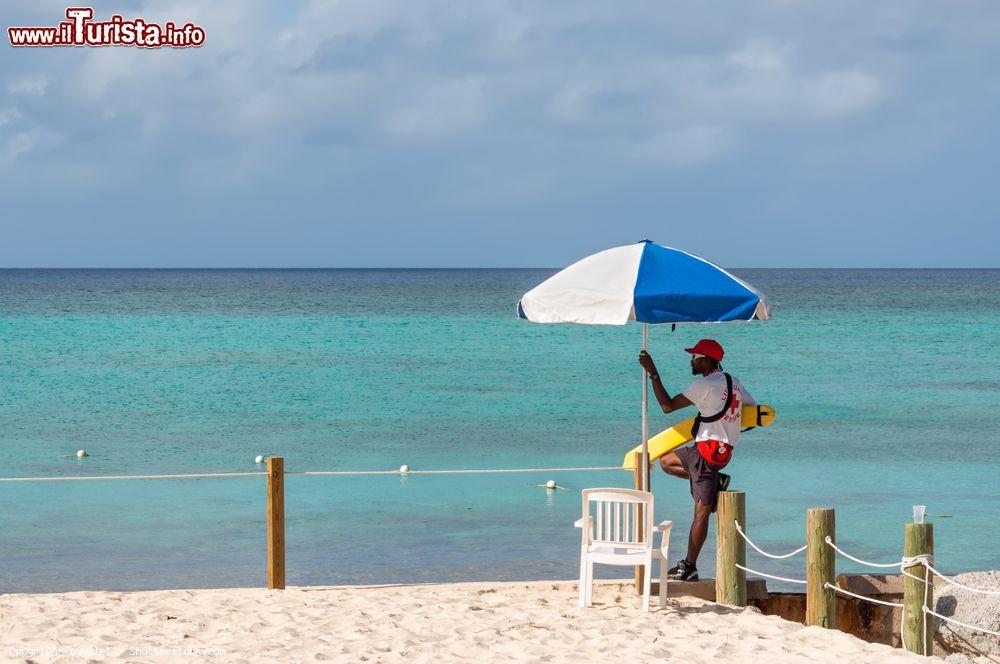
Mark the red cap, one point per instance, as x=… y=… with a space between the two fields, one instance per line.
x=709 y=348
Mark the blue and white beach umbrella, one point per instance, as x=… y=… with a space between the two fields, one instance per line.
x=644 y=282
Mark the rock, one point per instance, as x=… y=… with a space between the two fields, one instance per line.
x=971 y=608
x=959 y=658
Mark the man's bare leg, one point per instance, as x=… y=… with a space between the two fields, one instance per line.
x=699 y=531
x=671 y=465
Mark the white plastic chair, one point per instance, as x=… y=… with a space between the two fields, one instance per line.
x=617 y=529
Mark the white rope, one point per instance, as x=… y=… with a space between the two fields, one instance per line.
x=858 y=560
x=309 y=472
x=867 y=599
x=927 y=591
x=125 y=477
x=763 y=552
x=924 y=559
x=475 y=471
x=915 y=578
x=958 y=622
x=770 y=576
x=956 y=583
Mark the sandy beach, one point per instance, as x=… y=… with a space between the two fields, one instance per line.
x=497 y=622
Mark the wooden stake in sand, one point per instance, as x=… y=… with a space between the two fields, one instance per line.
x=821 y=607
x=918 y=627
x=276 y=523
x=730 y=580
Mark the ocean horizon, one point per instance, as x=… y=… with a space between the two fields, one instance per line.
x=883 y=379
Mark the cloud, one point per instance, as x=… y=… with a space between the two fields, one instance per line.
x=761 y=58
x=770 y=81
x=765 y=83
x=691 y=109
x=679 y=87
x=28 y=86
x=20 y=143
x=841 y=93
x=442 y=108
x=576 y=103
x=9 y=115
x=684 y=147
x=20 y=136
x=300 y=116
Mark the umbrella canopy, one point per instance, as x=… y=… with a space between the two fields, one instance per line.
x=645 y=282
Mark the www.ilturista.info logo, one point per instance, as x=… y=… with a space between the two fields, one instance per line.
x=80 y=30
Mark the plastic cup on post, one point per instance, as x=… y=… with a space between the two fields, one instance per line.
x=918 y=513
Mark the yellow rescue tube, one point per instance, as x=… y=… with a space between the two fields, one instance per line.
x=680 y=433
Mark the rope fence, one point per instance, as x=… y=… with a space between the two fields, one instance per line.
x=761 y=551
x=925 y=560
x=739 y=529
x=770 y=576
x=821 y=588
x=829 y=542
x=843 y=591
x=85 y=478
x=819 y=582
x=475 y=471
x=958 y=622
x=956 y=583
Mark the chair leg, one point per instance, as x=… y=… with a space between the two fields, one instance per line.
x=647 y=576
x=583 y=579
x=590 y=583
x=664 y=564
x=663 y=581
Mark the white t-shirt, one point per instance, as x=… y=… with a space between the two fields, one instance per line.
x=709 y=395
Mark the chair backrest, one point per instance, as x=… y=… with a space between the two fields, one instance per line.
x=618 y=516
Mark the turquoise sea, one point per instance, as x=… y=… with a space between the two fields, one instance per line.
x=887 y=383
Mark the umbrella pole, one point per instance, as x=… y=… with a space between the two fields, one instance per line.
x=641 y=477
x=645 y=408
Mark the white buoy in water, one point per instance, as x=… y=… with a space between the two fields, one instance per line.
x=551 y=484
x=259 y=458
x=404 y=468
x=81 y=453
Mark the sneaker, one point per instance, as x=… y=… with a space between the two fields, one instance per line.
x=724 y=481
x=684 y=571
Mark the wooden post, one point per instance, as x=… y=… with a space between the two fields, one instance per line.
x=821 y=607
x=637 y=483
x=918 y=627
x=276 y=522
x=731 y=581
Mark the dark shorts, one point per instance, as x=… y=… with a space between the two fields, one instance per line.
x=704 y=475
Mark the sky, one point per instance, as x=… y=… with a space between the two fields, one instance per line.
x=433 y=133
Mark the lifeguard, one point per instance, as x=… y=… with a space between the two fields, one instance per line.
x=719 y=398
